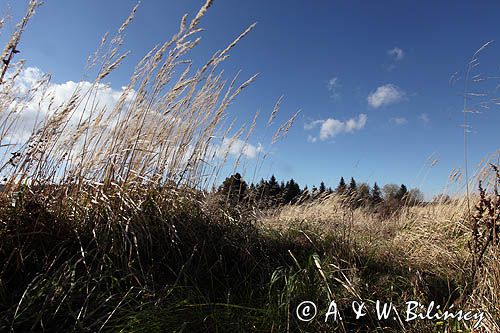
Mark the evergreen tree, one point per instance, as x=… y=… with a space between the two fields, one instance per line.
x=295 y=188
x=252 y=192
x=352 y=186
x=402 y=192
x=292 y=192
x=234 y=188
x=341 y=187
x=351 y=194
x=305 y=190
x=274 y=187
x=273 y=191
x=376 y=195
x=322 y=187
x=279 y=198
x=262 y=190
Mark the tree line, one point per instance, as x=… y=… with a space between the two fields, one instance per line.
x=271 y=193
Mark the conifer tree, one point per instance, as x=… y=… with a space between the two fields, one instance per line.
x=274 y=187
x=376 y=195
x=279 y=196
x=292 y=192
x=341 y=187
x=322 y=187
x=352 y=186
x=402 y=192
x=262 y=190
x=273 y=191
x=234 y=188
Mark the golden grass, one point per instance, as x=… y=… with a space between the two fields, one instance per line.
x=430 y=239
x=112 y=165
x=167 y=125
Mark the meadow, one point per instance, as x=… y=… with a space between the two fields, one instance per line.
x=108 y=220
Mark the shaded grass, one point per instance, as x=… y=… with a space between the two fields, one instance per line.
x=176 y=264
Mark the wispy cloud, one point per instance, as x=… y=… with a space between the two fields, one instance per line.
x=239 y=147
x=385 y=95
x=333 y=86
x=312 y=139
x=312 y=124
x=424 y=117
x=396 y=53
x=399 y=120
x=331 y=127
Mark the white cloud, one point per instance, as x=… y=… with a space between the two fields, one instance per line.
x=399 y=120
x=34 y=112
x=311 y=139
x=333 y=86
x=312 y=124
x=332 y=127
x=352 y=124
x=397 y=53
x=385 y=95
x=239 y=147
x=424 y=117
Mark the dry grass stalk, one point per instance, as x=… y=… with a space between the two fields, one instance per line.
x=159 y=130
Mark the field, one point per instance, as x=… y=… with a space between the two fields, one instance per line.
x=111 y=220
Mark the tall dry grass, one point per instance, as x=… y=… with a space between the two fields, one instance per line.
x=167 y=126
x=430 y=244
x=103 y=217
x=104 y=227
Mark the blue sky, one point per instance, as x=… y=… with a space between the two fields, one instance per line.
x=372 y=78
